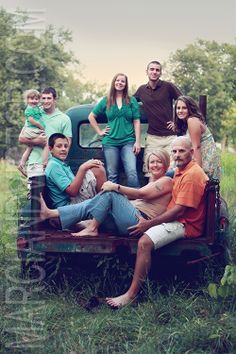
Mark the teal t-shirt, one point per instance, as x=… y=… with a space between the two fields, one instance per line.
x=57 y=122
x=58 y=177
x=120 y=121
x=36 y=113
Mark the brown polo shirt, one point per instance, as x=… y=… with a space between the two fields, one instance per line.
x=158 y=105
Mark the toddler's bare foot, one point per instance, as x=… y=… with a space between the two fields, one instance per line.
x=21 y=168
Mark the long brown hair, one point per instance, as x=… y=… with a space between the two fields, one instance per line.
x=193 y=111
x=111 y=97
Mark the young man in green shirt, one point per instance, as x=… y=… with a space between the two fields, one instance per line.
x=55 y=122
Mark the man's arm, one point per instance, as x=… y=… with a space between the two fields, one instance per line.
x=136 y=95
x=69 y=141
x=176 y=92
x=168 y=216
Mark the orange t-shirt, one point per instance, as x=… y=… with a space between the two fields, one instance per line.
x=188 y=190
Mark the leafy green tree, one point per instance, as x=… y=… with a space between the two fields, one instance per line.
x=30 y=60
x=227 y=286
x=208 y=68
x=229 y=127
x=75 y=92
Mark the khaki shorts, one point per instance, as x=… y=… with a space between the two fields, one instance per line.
x=87 y=189
x=165 y=233
x=31 y=133
x=153 y=143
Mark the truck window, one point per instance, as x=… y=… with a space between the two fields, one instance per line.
x=88 y=137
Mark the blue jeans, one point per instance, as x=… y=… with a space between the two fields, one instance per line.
x=112 y=155
x=103 y=207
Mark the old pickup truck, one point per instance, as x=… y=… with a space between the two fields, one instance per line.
x=38 y=241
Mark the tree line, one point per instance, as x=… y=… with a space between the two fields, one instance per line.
x=37 y=60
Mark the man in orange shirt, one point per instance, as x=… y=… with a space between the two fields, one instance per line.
x=183 y=218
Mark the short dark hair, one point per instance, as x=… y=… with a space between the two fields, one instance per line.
x=50 y=90
x=52 y=139
x=154 y=62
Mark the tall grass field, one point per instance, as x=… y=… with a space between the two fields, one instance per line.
x=63 y=317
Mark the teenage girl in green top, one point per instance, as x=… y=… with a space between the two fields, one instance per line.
x=121 y=137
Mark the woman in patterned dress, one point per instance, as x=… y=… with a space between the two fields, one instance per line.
x=190 y=121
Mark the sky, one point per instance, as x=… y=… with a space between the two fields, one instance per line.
x=124 y=35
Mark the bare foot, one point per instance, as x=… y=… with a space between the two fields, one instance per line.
x=119 y=301
x=22 y=170
x=44 y=209
x=82 y=225
x=86 y=232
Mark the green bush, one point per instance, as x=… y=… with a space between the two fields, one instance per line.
x=227 y=287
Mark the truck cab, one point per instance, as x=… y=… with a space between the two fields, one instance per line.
x=37 y=240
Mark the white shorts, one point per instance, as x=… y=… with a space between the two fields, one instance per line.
x=165 y=233
x=35 y=169
x=87 y=189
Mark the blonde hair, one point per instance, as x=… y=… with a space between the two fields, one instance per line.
x=31 y=93
x=163 y=155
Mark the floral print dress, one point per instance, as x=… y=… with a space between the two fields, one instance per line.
x=210 y=156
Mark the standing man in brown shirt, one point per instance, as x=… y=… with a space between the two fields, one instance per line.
x=157 y=97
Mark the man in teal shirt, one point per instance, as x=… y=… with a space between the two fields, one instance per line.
x=55 y=122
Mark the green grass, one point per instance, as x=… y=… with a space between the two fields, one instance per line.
x=228 y=191
x=228 y=185
x=48 y=318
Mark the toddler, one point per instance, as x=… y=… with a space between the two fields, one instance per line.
x=34 y=126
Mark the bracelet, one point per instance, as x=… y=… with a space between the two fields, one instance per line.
x=118 y=187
